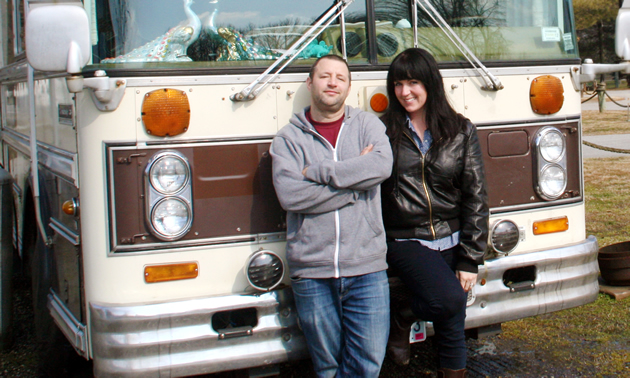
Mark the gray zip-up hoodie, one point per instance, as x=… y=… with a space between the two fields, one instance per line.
x=334 y=223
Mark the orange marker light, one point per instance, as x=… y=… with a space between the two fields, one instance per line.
x=379 y=102
x=70 y=207
x=170 y=272
x=551 y=225
x=166 y=112
x=546 y=94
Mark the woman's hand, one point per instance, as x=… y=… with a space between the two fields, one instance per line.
x=467 y=279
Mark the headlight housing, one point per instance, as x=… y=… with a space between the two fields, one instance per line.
x=171 y=218
x=169 y=173
x=504 y=236
x=264 y=270
x=551 y=159
x=168 y=194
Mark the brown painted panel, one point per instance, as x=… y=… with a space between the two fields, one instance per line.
x=128 y=166
x=508 y=143
x=232 y=189
x=511 y=177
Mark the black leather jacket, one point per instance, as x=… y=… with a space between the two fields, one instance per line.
x=430 y=197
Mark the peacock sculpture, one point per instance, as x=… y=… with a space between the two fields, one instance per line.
x=170 y=47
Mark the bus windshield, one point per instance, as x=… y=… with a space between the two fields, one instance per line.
x=254 y=33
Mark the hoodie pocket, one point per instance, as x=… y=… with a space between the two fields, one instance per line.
x=372 y=213
x=311 y=240
x=374 y=225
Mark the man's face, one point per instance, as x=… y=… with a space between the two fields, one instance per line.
x=329 y=86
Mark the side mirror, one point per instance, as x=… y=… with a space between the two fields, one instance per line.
x=622 y=32
x=57 y=38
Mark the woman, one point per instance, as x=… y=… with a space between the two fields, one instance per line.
x=434 y=208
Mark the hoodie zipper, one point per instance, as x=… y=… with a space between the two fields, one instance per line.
x=337 y=223
x=425 y=187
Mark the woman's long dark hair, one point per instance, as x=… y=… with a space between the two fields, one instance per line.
x=442 y=120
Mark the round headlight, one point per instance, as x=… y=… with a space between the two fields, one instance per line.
x=552 y=145
x=169 y=173
x=265 y=270
x=505 y=236
x=553 y=181
x=171 y=218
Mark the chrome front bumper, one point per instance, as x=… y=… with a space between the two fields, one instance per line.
x=177 y=338
x=564 y=277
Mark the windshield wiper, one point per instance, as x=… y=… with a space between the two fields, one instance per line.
x=492 y=83
x=251 y=91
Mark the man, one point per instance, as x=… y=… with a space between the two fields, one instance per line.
x=328 y=163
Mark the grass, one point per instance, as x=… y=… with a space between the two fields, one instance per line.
x=607 y=191
x=609 y=122
x=591 y=340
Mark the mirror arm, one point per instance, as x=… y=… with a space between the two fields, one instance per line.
x=107 y=93
x=590 y=70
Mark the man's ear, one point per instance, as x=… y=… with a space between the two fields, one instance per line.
x=308 y=83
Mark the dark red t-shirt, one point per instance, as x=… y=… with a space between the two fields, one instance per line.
x=329 y=130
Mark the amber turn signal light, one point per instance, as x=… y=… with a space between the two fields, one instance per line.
x=546 y=94
x=70 y=207
x=166 y=112
x=379 y=102
x=170 y=272
x=551 y=225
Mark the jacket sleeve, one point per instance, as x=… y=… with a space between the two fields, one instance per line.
x=361 y=172
x=474 y=207
x=297 y=193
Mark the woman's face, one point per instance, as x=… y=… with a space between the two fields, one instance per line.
x=411 y=94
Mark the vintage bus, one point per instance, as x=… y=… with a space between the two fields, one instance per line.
x=136 y=187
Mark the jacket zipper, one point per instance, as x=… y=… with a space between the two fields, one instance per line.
x=337 y=227
x=424 y=186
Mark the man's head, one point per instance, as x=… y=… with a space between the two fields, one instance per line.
x=329 y=84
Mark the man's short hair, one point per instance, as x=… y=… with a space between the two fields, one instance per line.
x=333 y=57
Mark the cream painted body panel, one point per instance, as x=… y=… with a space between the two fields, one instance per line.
x=119 y=279
x=512 y=102
x=525 y=219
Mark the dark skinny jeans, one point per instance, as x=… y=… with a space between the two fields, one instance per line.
x=438 y=296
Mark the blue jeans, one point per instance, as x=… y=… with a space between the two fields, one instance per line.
x=346 y=323
x=438 y=295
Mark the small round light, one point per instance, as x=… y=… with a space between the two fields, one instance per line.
x=553 y=181
x=379 y=102
x=552 y=145
x=504 y=236
x=71 y=206
x=264 y=270
x=171 y=218
x=169 y=173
